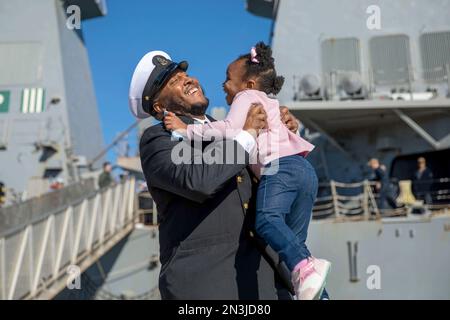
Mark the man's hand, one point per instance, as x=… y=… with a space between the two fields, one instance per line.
x=256 y=120
x=288 y=119
x=173 y=123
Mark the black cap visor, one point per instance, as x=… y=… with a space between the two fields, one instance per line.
x=158 y=78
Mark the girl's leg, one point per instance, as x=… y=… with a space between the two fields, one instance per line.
x=277 y=195
x=301 y=210
x=283 y=211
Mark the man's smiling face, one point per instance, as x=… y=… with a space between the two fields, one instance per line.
x=182 y=94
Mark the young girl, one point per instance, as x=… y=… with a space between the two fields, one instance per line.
x=288 y=186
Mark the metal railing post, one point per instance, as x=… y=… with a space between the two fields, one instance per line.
x=154 y=214
x=115 y=212
x=78 y=231
x=41 y=255
x=335 y=198
x=62 y=242
x=104 y=216
x=131 y=199
x=124 y=203
x=95 y=208
x=30 y=257
x=18 y=263
x=366 y=199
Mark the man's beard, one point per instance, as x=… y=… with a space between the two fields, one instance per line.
x=179 y=107
x=199 y=109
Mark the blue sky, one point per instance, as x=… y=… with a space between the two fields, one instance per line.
x=207 y=33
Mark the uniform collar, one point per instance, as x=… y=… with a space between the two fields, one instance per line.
x=201 y=121
x=189 y=120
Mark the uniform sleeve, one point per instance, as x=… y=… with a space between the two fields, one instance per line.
x=180 y=169
x=379 y=174
x=230 y=126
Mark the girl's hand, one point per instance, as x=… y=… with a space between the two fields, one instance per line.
x=173 y=123
x=289 y=120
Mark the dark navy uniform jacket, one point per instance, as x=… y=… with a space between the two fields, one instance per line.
x=381 y=176
x=206 y=214
x=422 y=181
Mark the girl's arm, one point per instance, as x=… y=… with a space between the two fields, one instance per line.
x=230 y=126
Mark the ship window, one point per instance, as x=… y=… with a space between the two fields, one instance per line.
x=341 y=55
x=51 y=173
x=20 y=63
x=4 y=101
x=391 y=59
x=435 y=50
x=33 y=100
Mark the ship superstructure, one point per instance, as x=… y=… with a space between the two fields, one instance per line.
x=371 y=79
x=49 y=122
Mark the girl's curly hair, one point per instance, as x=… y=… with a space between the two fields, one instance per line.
x=264 y=70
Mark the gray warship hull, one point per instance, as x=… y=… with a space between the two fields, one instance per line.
x=392 y=258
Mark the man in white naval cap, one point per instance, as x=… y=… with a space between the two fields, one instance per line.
x=208 y=249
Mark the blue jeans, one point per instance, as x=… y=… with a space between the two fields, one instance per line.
x=284 y=206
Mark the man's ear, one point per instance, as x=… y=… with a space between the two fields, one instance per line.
x=159 y=110
x=251 y=84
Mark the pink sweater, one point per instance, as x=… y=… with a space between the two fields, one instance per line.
x=273 y=143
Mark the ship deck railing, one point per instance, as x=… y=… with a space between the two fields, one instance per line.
x=402 y=78
x=358 y=201
x=41 y=257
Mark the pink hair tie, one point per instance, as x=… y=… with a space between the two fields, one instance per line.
x=253 y=55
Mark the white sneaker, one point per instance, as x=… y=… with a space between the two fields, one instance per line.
x=309 y=281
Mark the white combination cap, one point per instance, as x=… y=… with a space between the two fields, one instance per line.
x=149 y=76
